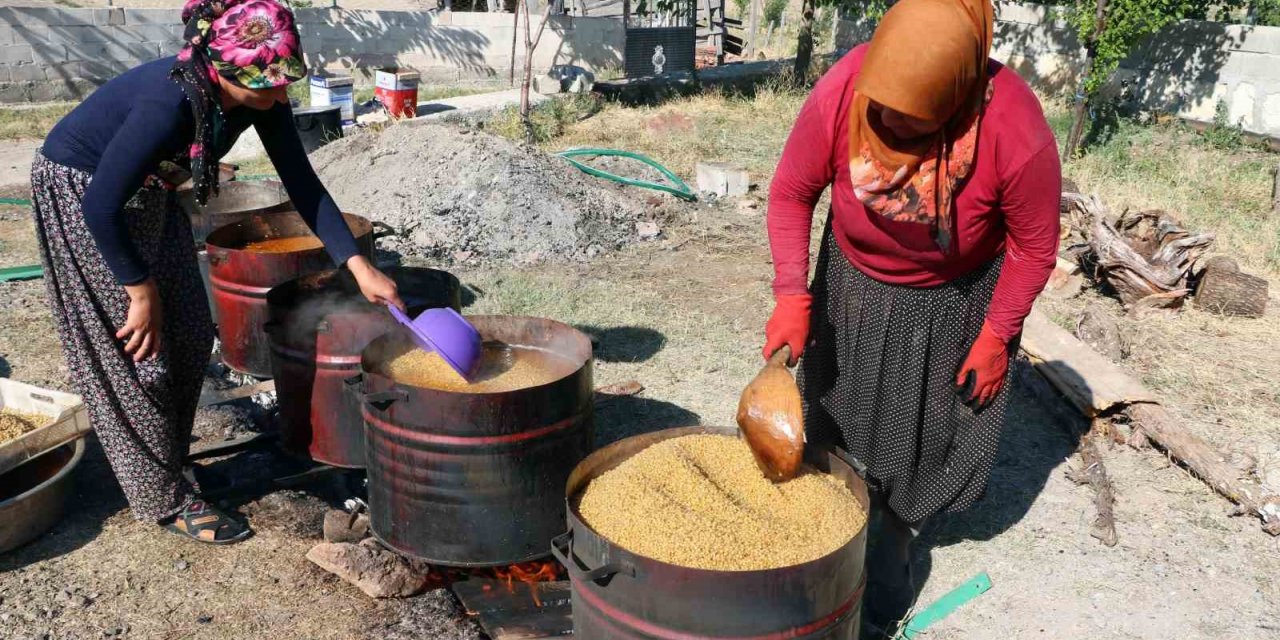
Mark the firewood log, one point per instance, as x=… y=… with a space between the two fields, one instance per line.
x=1227 y=291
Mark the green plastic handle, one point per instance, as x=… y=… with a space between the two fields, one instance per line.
x=681 y=190
x=946 y=605
x=28 y=272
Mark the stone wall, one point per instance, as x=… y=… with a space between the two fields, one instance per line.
x=51 y=54
x=1185 y=70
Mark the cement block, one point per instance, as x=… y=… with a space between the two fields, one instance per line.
x=1271 y=114
x=113 y=17
x=1242 y=105
x=30 y=35
x=75 y=89
x=131 y=53
x=82 y=35
x=102 y=70
x=723 y=179
x=136 y=17
x=16 y=54
x=27 y=73
x=62 y=72
x=44 y=16
x=15 y=92
x=144 y=33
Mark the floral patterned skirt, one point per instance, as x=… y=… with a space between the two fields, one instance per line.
x=142 y=412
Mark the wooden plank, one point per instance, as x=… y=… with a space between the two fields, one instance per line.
x=519 y=611
x=209 y=398
x=228 y=447
x=1093 y=383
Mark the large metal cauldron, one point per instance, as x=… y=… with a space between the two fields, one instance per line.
x=476 y=479
x=235 y=202
x=618 y=594
x=33 y=495
x=241 y=279
x=319 y=325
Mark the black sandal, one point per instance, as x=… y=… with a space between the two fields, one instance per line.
x=206 y=523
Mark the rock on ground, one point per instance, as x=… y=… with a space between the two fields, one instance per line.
x=375 y=571
x=455 y=191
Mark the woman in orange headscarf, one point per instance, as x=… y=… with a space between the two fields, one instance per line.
x=945 y=183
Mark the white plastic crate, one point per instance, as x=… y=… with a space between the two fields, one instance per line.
x=66 y=411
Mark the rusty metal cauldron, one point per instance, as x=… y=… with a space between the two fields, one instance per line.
x=618 y=594
x=235 y=202
x=476 y=479
x=241 y=279
x=319 y=325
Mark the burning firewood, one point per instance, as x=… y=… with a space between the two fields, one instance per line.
x=1142 y=282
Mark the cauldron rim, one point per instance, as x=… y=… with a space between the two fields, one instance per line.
x=230 y=237
x=582 y=475
x=369 y=370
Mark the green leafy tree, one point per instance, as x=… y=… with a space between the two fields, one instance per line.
x=1110 y=29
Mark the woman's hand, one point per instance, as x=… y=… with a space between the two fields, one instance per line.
x=142 y=326
x=989 y=361
x=789 y=325
x=375 y=285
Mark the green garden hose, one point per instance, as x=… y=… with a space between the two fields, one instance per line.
x=681 y=190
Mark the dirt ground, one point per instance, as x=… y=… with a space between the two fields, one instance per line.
x=1182 y=568
x=683 y=314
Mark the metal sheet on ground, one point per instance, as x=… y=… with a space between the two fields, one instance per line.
x=518 y=610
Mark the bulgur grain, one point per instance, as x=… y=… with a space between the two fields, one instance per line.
x=502 y=368
x=16 y=423
x=700 y=501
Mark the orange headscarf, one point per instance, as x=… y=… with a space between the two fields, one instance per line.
x=928 y=60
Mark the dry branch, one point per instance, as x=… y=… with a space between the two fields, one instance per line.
x=1092 y=472
x=1097 y=386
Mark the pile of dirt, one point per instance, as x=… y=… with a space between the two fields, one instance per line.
x=460 y=195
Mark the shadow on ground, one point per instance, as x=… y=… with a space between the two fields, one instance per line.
x=624 y=344
x=623 y=416
x=1039 y=434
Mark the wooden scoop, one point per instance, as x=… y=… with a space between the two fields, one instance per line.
x=771 y=418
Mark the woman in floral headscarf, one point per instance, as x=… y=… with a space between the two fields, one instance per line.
x=120 y=264
x=943 y=228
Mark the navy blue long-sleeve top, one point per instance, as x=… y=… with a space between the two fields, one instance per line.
x=126 y=128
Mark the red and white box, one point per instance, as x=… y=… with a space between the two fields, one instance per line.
x=397 y=90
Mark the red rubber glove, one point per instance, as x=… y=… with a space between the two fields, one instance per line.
x=789 y=325
x=989 y=361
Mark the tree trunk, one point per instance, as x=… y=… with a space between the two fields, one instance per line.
x=515 y=34
x=530 y=44
x=753 y=31
x=1082 y=99
x=1227 y=291
x=804 y=44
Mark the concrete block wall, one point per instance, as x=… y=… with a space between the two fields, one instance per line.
x=1185 y=70
x=49 y=54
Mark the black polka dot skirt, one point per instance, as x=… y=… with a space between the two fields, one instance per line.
x=878 y=380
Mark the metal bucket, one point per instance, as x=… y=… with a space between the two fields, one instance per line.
x=319 y=325
x=618 y=594
x=235 y=202
x=33 y=496
x=476 y=479
x=241 y=279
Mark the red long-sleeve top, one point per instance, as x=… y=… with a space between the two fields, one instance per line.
x=1009 y=204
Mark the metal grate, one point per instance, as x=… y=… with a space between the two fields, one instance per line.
x=661 y=37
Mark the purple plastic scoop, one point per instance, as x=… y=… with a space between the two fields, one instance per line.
x=447 y=333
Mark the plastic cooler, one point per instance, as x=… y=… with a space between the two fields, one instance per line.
x=397 y=90
x=335 y=90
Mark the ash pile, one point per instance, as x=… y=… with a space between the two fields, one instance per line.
x=459 y=195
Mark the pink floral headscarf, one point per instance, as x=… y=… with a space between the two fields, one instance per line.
x=253 y=43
